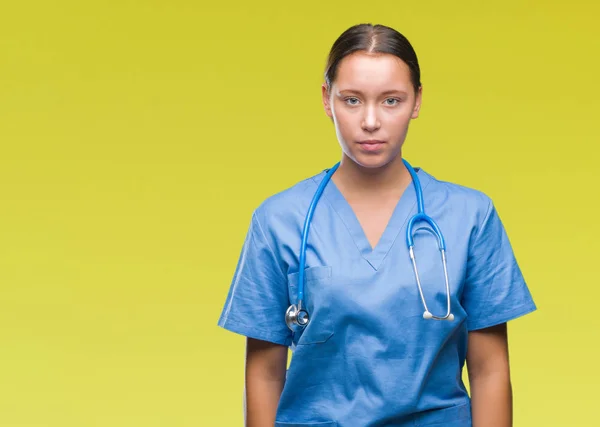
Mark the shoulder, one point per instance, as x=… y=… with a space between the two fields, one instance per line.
x=461 y=199
x=289 y=204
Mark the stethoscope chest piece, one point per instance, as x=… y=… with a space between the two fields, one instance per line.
x=295 y=317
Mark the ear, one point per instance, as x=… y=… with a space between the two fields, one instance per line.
x=417 y=106
x=326 y=100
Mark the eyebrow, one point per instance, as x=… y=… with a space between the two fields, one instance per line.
x=387 y=92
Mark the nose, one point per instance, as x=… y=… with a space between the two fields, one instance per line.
x=370 y=121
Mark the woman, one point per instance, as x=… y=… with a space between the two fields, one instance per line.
x=377 y=340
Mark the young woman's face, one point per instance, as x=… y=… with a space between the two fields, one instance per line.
x=371 y=103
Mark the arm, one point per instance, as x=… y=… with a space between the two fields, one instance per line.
x=265 y=376
x=489 y=377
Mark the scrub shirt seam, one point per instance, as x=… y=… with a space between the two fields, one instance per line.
x=283 y=275
x=476 y=240
x=485 y=218
x=243 y=329
x=331 y=205
x=504 y=317
x=237 y=277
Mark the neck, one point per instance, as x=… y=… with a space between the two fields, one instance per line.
x=392 y=178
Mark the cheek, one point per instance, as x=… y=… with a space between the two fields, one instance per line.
x=396 y=121
x=345 y=122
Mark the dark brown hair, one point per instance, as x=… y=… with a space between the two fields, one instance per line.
x=372 y=39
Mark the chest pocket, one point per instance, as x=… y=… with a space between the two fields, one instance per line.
x=317 y=287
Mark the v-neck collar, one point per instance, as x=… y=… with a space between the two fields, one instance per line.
x=406 y=206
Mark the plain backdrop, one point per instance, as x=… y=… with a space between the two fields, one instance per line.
x=136 y=138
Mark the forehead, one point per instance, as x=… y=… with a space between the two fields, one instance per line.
x=374 y=71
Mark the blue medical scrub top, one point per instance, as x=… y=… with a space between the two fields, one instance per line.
x=368 y=357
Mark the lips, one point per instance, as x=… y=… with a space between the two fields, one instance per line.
x=371 y=145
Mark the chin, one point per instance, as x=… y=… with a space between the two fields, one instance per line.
x=372 y=161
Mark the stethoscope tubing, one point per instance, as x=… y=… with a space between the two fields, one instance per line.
x=297 y=315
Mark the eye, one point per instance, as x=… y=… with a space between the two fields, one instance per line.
x=351 y=100
x=392 y=101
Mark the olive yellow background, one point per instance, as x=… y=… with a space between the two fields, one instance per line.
x=136 y=138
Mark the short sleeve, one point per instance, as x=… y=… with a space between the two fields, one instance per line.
x=495 y=290
x=258 y=295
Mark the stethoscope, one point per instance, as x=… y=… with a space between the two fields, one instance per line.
x=296 y=314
